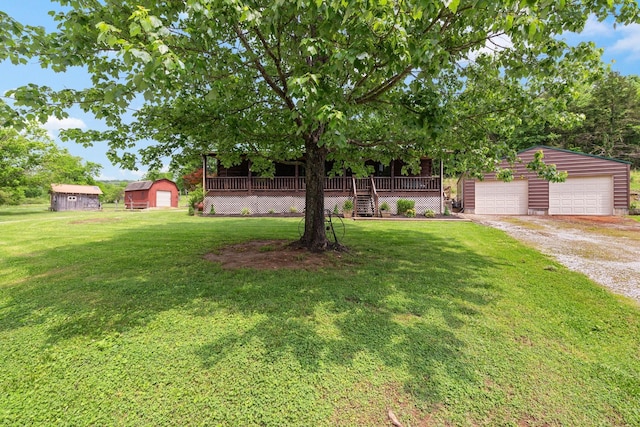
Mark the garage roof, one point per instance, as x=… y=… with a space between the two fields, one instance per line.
x=540 y=147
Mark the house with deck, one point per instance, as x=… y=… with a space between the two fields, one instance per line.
x=235 y=189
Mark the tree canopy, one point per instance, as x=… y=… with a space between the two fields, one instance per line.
x=324 y=79
x=611 y=120
x=30 y=162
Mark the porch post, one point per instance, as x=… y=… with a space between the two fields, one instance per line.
x=344 y=180
x=441 y=187
x=204 y=172
x=393 y=175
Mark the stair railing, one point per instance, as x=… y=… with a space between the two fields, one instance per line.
x=354 y=191
x=374 y=193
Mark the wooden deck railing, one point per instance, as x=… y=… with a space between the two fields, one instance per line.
x=334 y=184
x=228 y=183
x=407 y=183
x=280 y=183
x=337 y=183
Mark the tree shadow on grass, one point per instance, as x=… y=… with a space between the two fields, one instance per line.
x=404 y=313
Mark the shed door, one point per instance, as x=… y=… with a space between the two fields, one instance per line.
x=502 y=198
x=163 y=199
x=582 y=196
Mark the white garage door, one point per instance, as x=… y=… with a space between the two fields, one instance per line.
x=163 y=199
x=582 y=196
x=502 y=198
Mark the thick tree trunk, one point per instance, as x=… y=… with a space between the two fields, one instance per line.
x=314 y=237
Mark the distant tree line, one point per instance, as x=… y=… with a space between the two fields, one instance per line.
x=30 y=162
x=609 y=125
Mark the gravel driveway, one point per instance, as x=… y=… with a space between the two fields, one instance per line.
x=606 y=249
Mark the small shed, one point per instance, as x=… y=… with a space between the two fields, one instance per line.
x=594 y=186
x=162 y=193
x=72 y=197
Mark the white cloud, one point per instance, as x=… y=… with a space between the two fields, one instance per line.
x=55 y=124
x=629 y=41
x=594 y=28
x=498 y=43
x=113 y=174
x=494 y=44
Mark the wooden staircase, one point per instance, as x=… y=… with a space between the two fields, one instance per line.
x=365 y=197
x=364 y=205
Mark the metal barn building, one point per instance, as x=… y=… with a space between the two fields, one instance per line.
x=595 y=186
x=72 y=197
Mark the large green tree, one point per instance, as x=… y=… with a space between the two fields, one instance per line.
x=324 y=79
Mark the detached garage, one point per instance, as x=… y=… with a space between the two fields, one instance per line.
x=151 y=194
x=595 y=186
x=502 y=198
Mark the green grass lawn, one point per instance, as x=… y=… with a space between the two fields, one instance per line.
x=115 y=318
x=635 y=180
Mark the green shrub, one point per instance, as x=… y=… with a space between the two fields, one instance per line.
x=196 y=197
x=293 y=209
x=430 y=213
x=212 y=211
x=347 y=205
x=404 y=205
x=410 y=213
x=384 y=206
x=446 y=212
x=245 y=212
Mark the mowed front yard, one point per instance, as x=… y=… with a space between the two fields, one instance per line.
x=116 y=318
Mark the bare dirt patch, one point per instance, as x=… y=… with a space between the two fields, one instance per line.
x=273 y=255
x=603 y=248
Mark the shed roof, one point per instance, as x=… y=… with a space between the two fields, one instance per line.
x=75 y=189
x=139 y=185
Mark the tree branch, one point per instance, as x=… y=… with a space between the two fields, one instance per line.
x=265 y=75
x=277 y=60
x=373 y=94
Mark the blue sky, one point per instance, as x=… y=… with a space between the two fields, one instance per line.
x=621 y=49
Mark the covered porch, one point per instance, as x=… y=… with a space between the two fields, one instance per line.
x=226 y=189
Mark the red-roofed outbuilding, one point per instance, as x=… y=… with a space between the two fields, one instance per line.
x=162 y=193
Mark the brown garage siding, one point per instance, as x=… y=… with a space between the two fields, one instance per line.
x=577 y=164
x=469 y=186
x=538 y=194
x=621 y=190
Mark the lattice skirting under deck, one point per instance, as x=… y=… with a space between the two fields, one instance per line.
x=423 y=203
x=230 y=205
